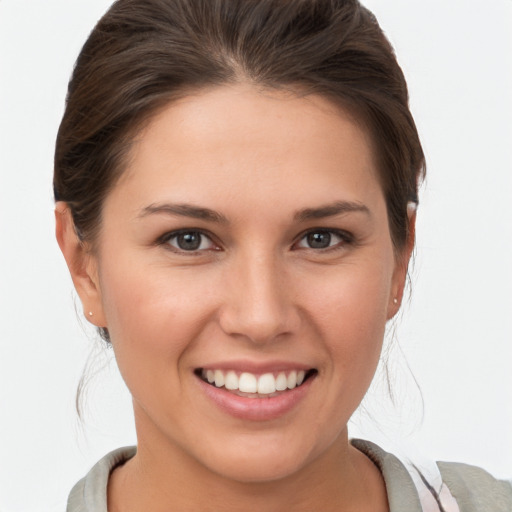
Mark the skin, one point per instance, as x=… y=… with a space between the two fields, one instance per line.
x=254 y=291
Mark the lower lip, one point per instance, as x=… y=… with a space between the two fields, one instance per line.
x=256 y=409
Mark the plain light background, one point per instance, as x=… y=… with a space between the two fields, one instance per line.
x=456 y=334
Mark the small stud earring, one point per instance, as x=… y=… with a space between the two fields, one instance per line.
x=90 y=313
x=395 y=301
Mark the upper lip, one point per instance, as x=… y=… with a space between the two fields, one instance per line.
x=256 y=367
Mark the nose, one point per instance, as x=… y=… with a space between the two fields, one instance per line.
x=258 y=302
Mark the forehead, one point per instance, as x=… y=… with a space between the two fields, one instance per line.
x=240 y=140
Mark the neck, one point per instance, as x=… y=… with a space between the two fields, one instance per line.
x=163 y=477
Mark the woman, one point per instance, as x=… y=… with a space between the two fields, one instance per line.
x=236 y=186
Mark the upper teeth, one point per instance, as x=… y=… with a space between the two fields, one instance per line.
x=246 y=382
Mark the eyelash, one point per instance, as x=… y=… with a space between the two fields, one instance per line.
x=166 y=239
x=345 y=239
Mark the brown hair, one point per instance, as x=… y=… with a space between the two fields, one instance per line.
x=144 y=53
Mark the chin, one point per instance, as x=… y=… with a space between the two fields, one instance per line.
x=260 y=469
x=262 y=460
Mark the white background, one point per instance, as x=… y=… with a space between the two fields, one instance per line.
x=456 y=334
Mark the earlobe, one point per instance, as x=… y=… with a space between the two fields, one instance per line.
x=401 y=266
x=81 y=263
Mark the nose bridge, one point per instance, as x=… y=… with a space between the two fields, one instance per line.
x=257 y=304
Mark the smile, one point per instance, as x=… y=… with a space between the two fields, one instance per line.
x=250 y=385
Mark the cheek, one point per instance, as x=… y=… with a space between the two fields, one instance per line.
x=153 y=317
x=351 y=313
x=354 y=297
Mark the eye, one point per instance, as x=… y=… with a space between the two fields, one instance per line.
x=189 y=241
x=323 y=239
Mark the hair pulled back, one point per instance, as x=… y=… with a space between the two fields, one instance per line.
x=144 y=54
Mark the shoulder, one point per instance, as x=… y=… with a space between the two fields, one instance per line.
x=400 y=486
x=475 y=489
x=90 y=493
x=427 y=486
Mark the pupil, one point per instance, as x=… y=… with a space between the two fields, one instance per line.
x=189 y=241
x=319 y=240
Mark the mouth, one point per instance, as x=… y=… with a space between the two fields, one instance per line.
x=251 y=385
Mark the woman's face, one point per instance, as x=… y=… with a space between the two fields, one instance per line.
x=247 y=242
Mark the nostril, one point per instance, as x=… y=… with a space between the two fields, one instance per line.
x=259 y=308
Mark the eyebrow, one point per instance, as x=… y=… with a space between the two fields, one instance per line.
x=184 y=210
x=330 y=210
x=196 y=212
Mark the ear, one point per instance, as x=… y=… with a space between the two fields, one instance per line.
x=401 y=265
x=82 y=265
